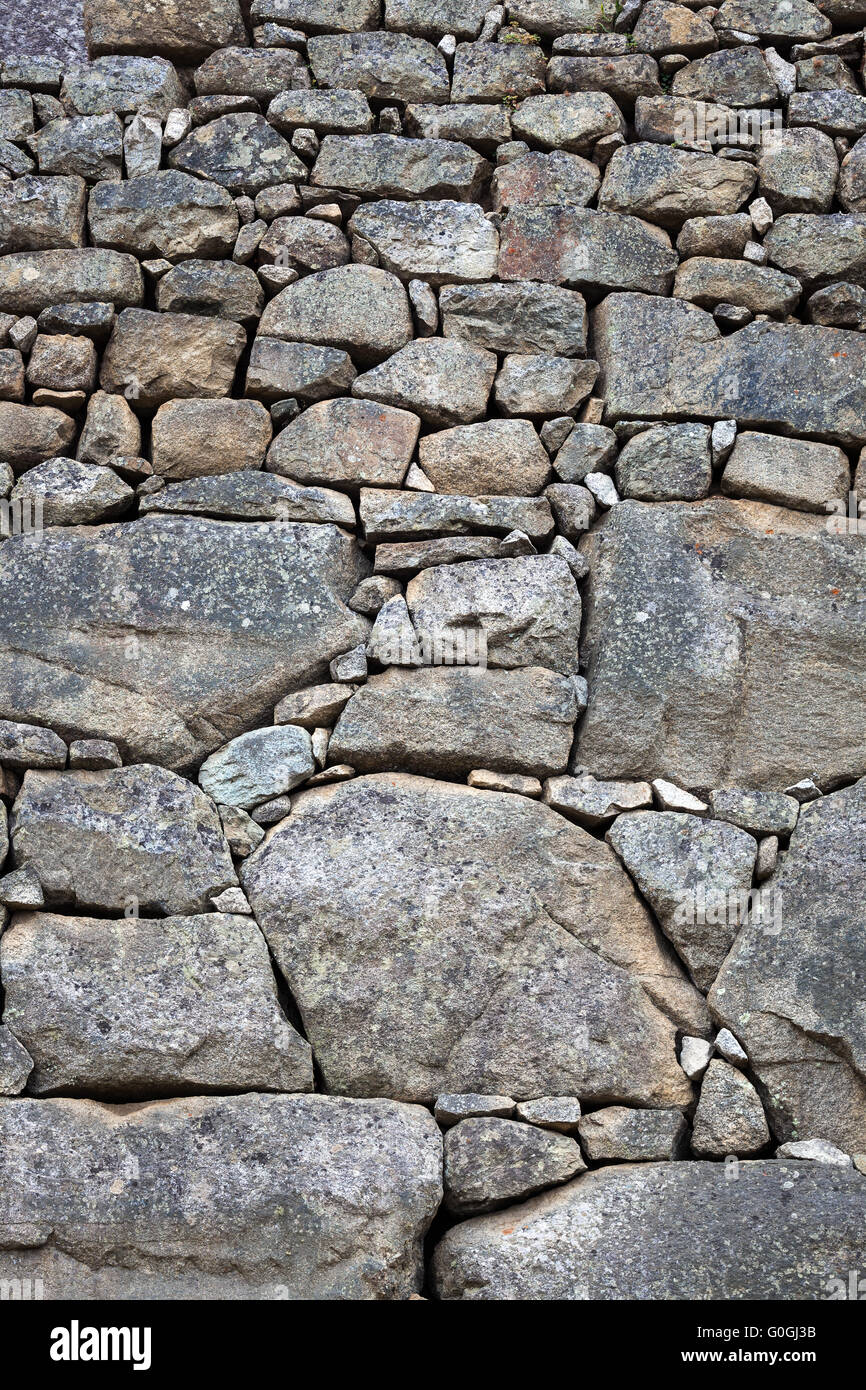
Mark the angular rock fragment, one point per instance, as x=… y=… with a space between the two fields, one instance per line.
x=145 y=1007
x=788 y=472
x=665 y=464
x=819 y=249
x=184 y=29
x=111 y=430
x=561 y=1113
x=218 y=289
x=569 y=122
x=279 y=370
x=619 y=1234
x=539 y=179
x=786 y=993
x=390 y=67
x=695 y=648
x=762 y=813
x=450 y=1108
x=304 y=244
x=774 y=20
x=669 y=186
x=505 y=457
x=137 y=633
x=16 y=1064
x=245 y=495
x=483 y=125
x=240 y=151
x=71 y=493
x=696 y=875
x=517 y=317
x=708 y=282
x=346 y=442
x=152 y=358
x=491 y=1162
x=494 y=72
x=797 y=172
x=166 y=214
x=410 y=983
x=533 y=384
x=445 y=720
x=41 y=213
x=25 y=746
x=318 y=1196
x=444 y=381
x=590 y=802
x=192 y=438
x=583 y=248
x=32 y=281
x=528 y=609
x=388 y=166
x=340 y=112
x=835 y=112
x=733 y=76
x=258 y=766
x=122 y=81
x=620 y=1135
x=257 y=72
x=729 y=1118
x=90 y=146
x=440 y=242
x=33 y=434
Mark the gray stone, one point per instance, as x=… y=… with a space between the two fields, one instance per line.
x=409 y=983
x=788 y=472
x=240 y=151
x=16 y=1064
x=71 y=493
x=540 y=179
x=587 y=449
x=788 y=998
x=432 y=18
x=696 y=875
x=191 y=438
x=315 y=16
x=20 y=891
x=27 y=745
x=100 y=840
x=491 y=1162
x=345 y=443
x=123 y=83
x=483 y=125
x=819 y=249
x=581 y=247
x=519 y=317
x=90 y=146
x=358 y=308
x=793 y=19
x=389 y=67
x=444 y=381
x=763 y=375
x=319 y=705
x=729 y=1118
x=447 y=720
x=668 y=186
x=389 y=166
x=708 y=282
x=574 y=508
x=852 y=182
x=38 y=212
x=572 y=121
x=242 y=833
x=94 y=754
x=278 y=370
x=407 y=558
x=166 y=214
x=182 y=28
x=695 y=650
x=440 y=242
x=695 y=1054
x=196 y=664
x=836 y=112
x=148 y=1007
x=33 y=434
x=715 y=236
x=32 y=281
x=620 y=1135
x=246 y=1197
x=450 y=1108
x=665 y=464
x=495 y=72
x=388 y=515
x=798 y=169
x=325 y=112
x=761 y=813
x=258 y=766
x=262 y=73
x=533 y=384
x=528 y=609
x=303 y=243
x=252 y=496
x=152 y=358
x=619 y=1234
x=111 y=430
x=736 y=77
x=592 y=803
x=815 y=1151
x=494 y=456
x=626 y=79
x=552 y=17
x=560 y=1113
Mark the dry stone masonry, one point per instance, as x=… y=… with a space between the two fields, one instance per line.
x=433 y=649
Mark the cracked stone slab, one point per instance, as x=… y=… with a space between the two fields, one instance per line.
x=782 y=1231
x=460 y=940
x=146 y=1007
x=789 y=994
x=240 y=1197
x=134 y=631
x=701 y=620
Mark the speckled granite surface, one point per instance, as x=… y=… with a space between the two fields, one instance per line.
x=54 y=27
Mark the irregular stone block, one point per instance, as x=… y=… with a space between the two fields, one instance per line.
x=491 y=1162
x=358 y=308
x=441 y=242
x=345 y=443
x=389 y=166
x=584 y=248
x=164 y=214
x=152 y=358
x=499 y=456
x=240 y=151
x=389 y=67
x=192 y=438
x=33 y=281
x=39 y=213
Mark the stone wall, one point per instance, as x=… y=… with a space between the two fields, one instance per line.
x=432 y=734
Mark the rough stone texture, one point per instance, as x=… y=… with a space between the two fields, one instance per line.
x=31 y=281
x=494 y=456
x=440 y=242
x=241 y=152
x=410 y=981
x=702 y=682
x=358 y=308
x=138 y=636
x=165 y=214
x=520 y=317
x=619 y=1234
x=787 y=995
x=152 y=358
x=669 y=186
x=491 y=1162
x=617 y=1134
x=444 y=381
x=258 y=766
x=729 y=1118
x=337 y=1212
x=195 y=437
x=135 y=835
x=390 y=167
x=583 y=248
x=148 y=1007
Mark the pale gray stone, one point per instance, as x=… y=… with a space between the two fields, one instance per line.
x=389 y=166
x=241 y=151
x=585 y=248
x=492 y=1162
x=358 y=308
x=388 y=515
x=389 y=67
x=166 y=214
x=450 y=1108
x=788 y=472
x=669 y=186
x=441 y=242
x=444 y=381
x=618 y=1134
x=193 y=438
x=665 y=464
x=518 y=317
x=590 y=802
x=71 y=493
x=729 y=1118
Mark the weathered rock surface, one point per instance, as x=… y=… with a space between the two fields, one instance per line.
x=410 y=955
x=730 y=1118
x=669 y=186
x=192 y=438
x=444 y=381
x=387 y=66
x=505 y=457
x=388 y=166
x=164 y=214
x=248 y=495
x=32 y=281
x=240 y=151
x=441 y=242
x=491 y=1162
x=145 y=1007
x=696 y=875
x=582 y=248
x=337 y=1212
x=519 y=317
x=152 y=358
x=137 y=836
x=619 y=1234
x=363 y=310
x=134 y=632
x=695 y=650
x=41 y=213
x=71 y=493
x=787 y=994
x=257 y=766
